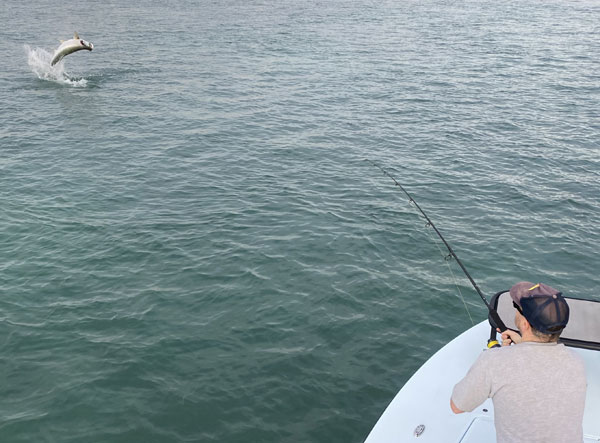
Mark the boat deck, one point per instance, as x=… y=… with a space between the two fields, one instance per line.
x=423 y=405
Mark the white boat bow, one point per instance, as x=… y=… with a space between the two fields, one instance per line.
x=421 y=411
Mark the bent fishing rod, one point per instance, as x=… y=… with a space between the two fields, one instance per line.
x=494 y=317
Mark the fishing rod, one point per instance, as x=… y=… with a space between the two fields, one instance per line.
x=494 y=317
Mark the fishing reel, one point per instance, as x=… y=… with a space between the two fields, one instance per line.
x=493 y=344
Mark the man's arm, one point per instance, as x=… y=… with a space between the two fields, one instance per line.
x=475 y=387
x=454 y=408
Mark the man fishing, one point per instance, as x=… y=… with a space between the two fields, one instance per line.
x=538 y=386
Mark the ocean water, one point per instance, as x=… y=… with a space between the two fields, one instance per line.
x=193 y=247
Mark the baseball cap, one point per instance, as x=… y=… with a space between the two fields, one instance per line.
x=543 y=306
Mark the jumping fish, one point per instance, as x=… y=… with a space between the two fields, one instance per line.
x=70 y=46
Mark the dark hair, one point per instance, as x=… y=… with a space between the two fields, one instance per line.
x=546 y=338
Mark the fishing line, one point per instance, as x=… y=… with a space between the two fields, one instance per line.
x=493 y=315
x=454 y=279
x=447 y=261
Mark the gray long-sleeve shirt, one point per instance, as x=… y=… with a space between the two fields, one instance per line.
x=538 y=391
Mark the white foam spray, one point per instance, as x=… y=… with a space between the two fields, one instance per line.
x=39 y=60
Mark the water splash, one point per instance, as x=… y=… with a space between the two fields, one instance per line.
x=39 y=59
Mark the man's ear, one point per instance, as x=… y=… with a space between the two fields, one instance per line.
x=521 y=322
x=525 y=326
